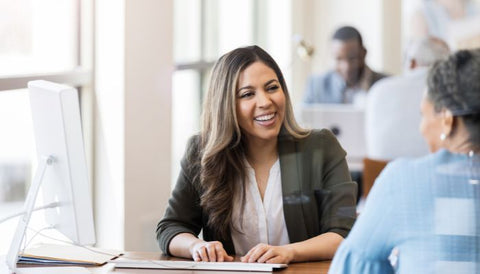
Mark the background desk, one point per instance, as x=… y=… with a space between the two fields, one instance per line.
x=293 y=268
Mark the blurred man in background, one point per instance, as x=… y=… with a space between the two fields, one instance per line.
x=351 y=78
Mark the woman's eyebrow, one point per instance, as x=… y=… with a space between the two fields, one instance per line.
x=251 y=87
x=245 y=87
x=271 y=81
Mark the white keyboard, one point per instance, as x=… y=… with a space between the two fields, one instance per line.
x=190 y=265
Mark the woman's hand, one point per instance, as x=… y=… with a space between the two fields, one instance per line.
x=263 y=253
x=209 y=252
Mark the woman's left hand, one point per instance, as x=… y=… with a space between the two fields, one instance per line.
x=263 y=253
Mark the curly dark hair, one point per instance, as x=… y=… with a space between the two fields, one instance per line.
x=454 y=84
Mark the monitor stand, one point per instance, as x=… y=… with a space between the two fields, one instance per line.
x=12 y=255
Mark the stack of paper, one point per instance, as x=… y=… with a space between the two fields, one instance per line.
x=50 y=254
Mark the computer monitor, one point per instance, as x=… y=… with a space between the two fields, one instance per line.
x=346 y=121
x=62 y=169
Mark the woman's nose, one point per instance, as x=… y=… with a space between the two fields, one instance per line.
x=263 y=99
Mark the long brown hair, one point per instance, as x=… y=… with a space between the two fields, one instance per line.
x=222 y=146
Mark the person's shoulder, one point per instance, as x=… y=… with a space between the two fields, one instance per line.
x=190 y=162
x=194 y=141
x=192 y=151
x=386 y=83
x=411 y=75
x=318 y=134
x=319 y=138
x=389 y=80
x=324 y=76
x=377 y=76
x=320 y=87
x=410 y=165
x=406 y=88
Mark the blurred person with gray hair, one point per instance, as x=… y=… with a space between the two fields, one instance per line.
x=391 y=116
x=423 y=52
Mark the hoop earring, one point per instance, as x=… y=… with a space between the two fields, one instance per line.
x=443 y=136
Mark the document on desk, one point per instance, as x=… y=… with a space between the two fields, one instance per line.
x=191 y=265
x=50 y=254
x=53 y=270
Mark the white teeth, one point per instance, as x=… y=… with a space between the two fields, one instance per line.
x=265 y=117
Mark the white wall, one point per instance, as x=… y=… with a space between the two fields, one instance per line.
x=302 y=24
x=109 y=129
x=134 y=62
x=148 y=71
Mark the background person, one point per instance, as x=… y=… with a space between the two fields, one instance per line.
x=253 y=181
x=391 y=121
x=422 y=215
x=350 y=79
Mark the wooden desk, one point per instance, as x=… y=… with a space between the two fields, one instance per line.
x=293 y=268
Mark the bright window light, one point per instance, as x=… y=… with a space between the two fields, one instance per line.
x=37 y=37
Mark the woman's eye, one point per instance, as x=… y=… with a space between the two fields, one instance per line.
x=246 y=94
x=272 y=88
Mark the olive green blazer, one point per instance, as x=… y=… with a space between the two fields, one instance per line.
x=318 y=193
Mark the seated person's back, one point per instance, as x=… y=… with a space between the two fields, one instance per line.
x=391 y=114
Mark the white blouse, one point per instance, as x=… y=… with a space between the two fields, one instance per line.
x=263 y=221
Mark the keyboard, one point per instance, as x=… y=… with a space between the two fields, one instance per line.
x=191 y=265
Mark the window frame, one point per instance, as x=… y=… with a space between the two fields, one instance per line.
x=81 y=77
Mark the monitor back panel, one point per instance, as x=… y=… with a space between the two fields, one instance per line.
x=345 y=121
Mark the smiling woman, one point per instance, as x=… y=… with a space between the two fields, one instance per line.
x=260 y=104
x=257 y=184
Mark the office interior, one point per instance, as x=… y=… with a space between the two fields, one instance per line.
x=141 y=68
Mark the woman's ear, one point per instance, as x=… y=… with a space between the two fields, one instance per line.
x=447 y=122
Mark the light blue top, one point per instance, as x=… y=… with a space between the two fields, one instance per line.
x=325 y=88
x=330 y=87
x=422 y=216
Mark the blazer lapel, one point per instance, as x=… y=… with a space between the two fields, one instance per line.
x=290 y=165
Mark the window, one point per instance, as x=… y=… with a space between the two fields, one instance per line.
x=49 y=40
x=203 y=31
x=36 y=41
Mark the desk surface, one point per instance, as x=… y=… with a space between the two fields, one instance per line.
x=293 y=268
x=320 y=267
